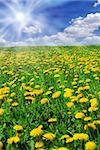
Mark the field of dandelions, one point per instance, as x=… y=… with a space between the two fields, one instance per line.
x=50 y=98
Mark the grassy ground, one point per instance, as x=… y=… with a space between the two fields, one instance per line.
x=50 y=98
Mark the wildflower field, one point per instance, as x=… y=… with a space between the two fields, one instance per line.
x=50 y=98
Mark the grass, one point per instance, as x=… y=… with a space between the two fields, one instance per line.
x=56 y=83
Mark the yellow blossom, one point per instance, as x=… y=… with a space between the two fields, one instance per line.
x=48 y=92
x=92 y=109
x=1 y=111
x=18 y=127
x=87 y=87
x=94 y=102
x=51 y=120
x=79 y=115
x=56 y=94
x=90 y=145
x=51 y=88
x=69 y=104
x=12 y=140
x=73 y=98
x=69 y=140
x=1 y=145
x=87 y=118
x=64 y=137
x=83 y=100
x=37 y=131
x=44 y=100
x=12 y=94
x=14 y=104
x=39 y=144
x=80 y=136
x=62 y=148
x=68 y=92
x=96 y=121
x=74 y=83
x=79 y=95
x=56 y=75
x=91 y=125
x=49 y=136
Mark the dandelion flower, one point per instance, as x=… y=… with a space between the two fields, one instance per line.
x=1 y=111
x=87 y=118
x=1 y=145
x=68 y=92
x=18 y=127
x=13 y=140
x=49 y=136
x=79 y=115
x=56 y=94
x=62 y=148
x=69 y=104
x=80 y=136
x=14 y=104
x=39 y=144
x=83 y=100
x=37 y=131
x=51 y=120
x=44 y=100
x=69 y=140
x=90 y=145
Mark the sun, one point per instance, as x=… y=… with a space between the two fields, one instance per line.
x=21 y=19
x=17 y=16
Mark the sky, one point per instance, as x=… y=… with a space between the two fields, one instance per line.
x=49 y=22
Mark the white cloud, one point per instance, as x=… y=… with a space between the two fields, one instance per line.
x=95 y=40
x=96 y=3
x=33 y=29
x=3 y=42
x=80 y=32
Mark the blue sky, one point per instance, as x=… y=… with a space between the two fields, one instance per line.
x=49 y=22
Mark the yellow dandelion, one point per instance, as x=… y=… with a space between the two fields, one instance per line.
x=90 y=145
x=18 y=127
x=96 y=121
x=62 y=148
x=49 y=136
x=80 y=136
x=44 y=100
x=39 y=144
x=64 y=137
x=69 y=104
x=79 y=115
x=12 y=94
x=56 y=75
x=1 y=145
x=87 y=87
x=69 y=140
x=87 y=118
x=68 y=92
x=12 y=140
x=83 y=100
x=48 y=92
x=51 y=120
x=37 y=131
x=56 y=94
x=14 y=104
x=1 y=111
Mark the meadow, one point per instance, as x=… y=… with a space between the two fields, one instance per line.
x=50 y=98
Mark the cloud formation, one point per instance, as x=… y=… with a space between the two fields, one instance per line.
x=82 y=31
x=97 y=3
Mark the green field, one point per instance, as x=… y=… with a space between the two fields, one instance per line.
x=50 y=98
